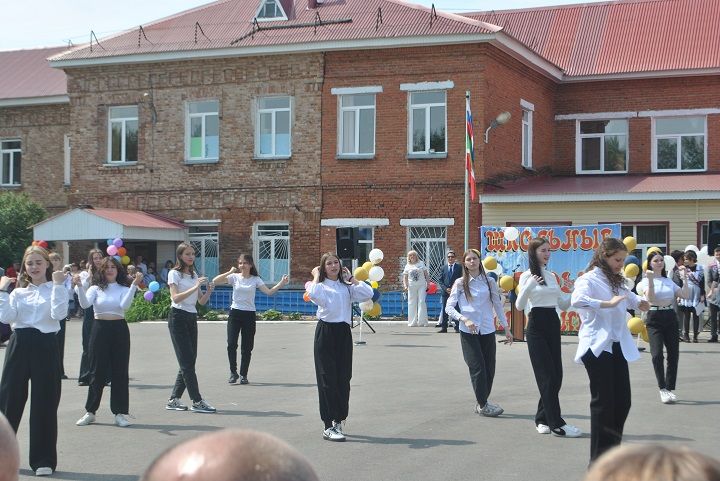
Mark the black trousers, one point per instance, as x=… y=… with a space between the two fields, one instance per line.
x=543 y=342
x=33 y=356
x=688 y=312
x=610 y=398
x=109 y=351
x=61 y=345
x=88 y=320
x=662 y=331
x=479 y=354
x=184 y=336
x=713 y=320
x=333 y=350
x=240 y=323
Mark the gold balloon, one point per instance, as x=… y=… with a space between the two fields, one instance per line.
x=636 y=325
x=630 y=243
x=375 y=311
x=653 y=249
x=631 y=271
x=507 y=283
x=490 y=263
x=361 y=274
x=644 y=266
x=374 y=284
x=644 y=335
x=367 y=266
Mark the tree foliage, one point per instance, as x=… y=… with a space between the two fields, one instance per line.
x=18 y=213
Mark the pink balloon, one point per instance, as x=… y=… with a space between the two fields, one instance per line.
x=148 y=296
x=111 y=250
x=307 y=285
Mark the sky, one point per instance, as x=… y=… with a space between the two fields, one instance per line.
x=50 y=23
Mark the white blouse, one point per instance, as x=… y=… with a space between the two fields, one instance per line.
x=603 y=326
x=40 y=307
x=243 y=296
x=183 y=283
x=114 y=299
x=415 y=272
x=334 y=299
x=477 y=309
x=531 y=294
x=666 y=291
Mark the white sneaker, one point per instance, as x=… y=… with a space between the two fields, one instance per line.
x=543 y=428
x=673 y=397
x=332 y=434
x=43 y=471
x=665 y=396
x=338 y=428
x=88 y=418
x=567 y=431
x=122 y=420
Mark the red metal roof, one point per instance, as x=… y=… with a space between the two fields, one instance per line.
x=26 y=73
x=606 y=184
x=624 y=36
x=224 y=21
x=136 y=218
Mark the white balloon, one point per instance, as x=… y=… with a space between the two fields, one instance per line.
x=704 y=249
x=669 y=263
x=629 y=283
x=376 y=256
x=703 y=259
x=376 y=273
x=366 y=305
x=511 y=233
x=640 y=291
x=692 y=248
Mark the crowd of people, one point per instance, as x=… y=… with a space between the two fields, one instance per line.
x=36 y=302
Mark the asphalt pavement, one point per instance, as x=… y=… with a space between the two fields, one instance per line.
x=411 y=407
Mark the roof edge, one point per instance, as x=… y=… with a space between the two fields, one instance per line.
x=31 y=101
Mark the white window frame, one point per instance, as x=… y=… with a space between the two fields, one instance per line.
x=412 y=107
x=273 y=113
x=278 y=6
x=578 y=148
x=188 y=131
x=678 y=137
x=258 y=237
x=12 y=153
x=341 y=119
x=527 y=126
x=123 y=134
x=645 y=247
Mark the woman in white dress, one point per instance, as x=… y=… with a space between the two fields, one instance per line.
x=415 y=282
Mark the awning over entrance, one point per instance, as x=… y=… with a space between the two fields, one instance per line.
x=89 y=224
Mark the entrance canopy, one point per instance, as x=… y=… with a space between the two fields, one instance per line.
x=90 y=224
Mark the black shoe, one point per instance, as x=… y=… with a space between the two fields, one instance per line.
x=685 y=338
x=243 y=380
x=695 y=339
x=713 y=339
x=64 y=376
x=442 y=330
x=233 y=378
x=438 y=325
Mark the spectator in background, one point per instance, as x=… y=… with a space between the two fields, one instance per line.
x=679 y=257
x=695 y=303
x=12 y=273
x=415 y=280
x=231 y=455
x=149 y=276
x=713 y=281
x=141 y=266
x=165 y=271
x=75 y=304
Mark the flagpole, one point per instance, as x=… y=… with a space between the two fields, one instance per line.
x=467 y=193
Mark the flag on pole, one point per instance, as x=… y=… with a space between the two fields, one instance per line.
x=469 y=149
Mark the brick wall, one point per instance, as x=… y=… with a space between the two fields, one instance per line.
x=41 y=130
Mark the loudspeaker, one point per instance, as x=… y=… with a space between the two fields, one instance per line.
x=346 y=248
x=713 y=236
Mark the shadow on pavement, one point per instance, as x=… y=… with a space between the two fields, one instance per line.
x=412 y=443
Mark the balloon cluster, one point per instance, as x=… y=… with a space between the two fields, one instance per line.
x=153 y=287
x=40 y=243
x=115 y=248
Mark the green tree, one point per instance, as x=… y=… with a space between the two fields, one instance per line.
x=18 y=213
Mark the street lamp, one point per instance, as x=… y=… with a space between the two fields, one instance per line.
x=501 y=119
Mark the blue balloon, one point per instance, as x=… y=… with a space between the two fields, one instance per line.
x=512 y=296
x=110 y=241
x=493 y=275
x=376 y=295
x=118 y=258
x=154 y=286
x=632 y=260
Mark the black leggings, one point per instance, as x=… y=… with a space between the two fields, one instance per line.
x=240 y=323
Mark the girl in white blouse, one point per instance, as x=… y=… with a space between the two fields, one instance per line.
x=109 y=297
x=473 y=299
x=95 y=256
x=605 y=344
x=185 y=292
x=34 y=310
x=661 y=321
x=334 y=290
x=415 y=282
x=242 y=319
x=540 y=296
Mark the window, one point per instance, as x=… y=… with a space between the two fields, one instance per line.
x=354 y=243
x=430 y=243
x=527 y=133
x=602 y=146
x=356 y=126
x=679 y=144
x=123 y=134
x=270 y=10
x=272 y=248
x=204 y=237
x=647 y=236
x=703 y=240
x=10 y=168
x=428 y=122
x=273 y=127
x=202 y=127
